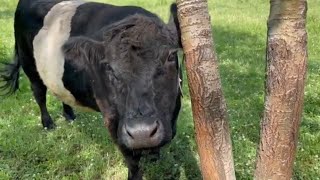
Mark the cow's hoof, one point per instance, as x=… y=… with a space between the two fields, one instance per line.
x=69 y=116
x=47 y=122
x=49 y=126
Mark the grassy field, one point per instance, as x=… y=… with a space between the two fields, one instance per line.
x=83 y=149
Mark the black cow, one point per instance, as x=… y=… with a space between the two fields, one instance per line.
x=120 y=61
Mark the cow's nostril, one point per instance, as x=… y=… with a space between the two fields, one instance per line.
x=155 y=129
x=128 y=132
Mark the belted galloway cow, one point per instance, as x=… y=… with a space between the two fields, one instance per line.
x=118 y=60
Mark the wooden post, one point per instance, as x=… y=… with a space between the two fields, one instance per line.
x=208 y=103
x=286 y=72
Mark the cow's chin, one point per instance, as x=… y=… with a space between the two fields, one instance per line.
x=151 y=148
x=152 y=152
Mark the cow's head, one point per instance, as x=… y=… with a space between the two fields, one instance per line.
x=135 y=77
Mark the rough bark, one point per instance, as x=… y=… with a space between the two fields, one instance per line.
x=208 y=103
x=286 y=71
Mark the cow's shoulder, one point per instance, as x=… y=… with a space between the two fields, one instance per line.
x=49 y=59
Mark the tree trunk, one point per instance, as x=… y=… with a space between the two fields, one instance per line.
x=286 y=70
x=208 y=103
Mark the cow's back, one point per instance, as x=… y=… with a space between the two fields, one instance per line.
x=29 y=16
x=91 y=17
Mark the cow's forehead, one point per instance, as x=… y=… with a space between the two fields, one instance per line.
x=136 y=67
x=150 y=33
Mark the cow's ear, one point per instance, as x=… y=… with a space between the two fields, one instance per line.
x=82 y=51
x=174 y=23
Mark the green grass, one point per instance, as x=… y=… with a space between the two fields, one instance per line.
x=83 y=149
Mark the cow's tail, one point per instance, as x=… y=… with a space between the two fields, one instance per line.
x=9 y=75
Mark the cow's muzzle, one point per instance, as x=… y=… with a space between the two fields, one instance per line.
x=137 y=134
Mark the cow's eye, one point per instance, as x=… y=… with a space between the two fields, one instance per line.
x=172 y=55
x=107 y=67
x=159 y=72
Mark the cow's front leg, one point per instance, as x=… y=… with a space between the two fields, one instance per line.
x=39 y=92
x=132 y=160
x=154 y=155
x=134 y=172
x=68 y=112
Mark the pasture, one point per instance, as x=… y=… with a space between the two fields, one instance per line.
x=84 y=150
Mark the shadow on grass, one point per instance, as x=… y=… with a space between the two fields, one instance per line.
x=312 y=99
x=242 y=69
x=6 y=14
